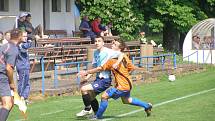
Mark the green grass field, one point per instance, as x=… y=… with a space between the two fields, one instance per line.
x=189 y=98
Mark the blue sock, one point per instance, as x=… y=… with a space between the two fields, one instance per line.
x=102 y=108
x=140 y=103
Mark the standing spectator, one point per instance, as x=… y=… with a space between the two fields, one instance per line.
x=8 y=55
x=86 y=29
x=142 y=38
x=6 y=37
x=97 y=27
x=23 y=68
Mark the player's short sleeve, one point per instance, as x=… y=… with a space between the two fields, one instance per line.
x=108 y=65
x=130 y=66
x=113 y=54
x=11 y=56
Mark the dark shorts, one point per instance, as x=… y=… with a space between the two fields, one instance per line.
x=101 y=84
x=115 y=93
x=4 y=87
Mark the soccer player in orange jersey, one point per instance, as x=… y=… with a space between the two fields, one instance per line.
x=123 y=84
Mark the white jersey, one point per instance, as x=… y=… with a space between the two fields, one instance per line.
x=101 y=57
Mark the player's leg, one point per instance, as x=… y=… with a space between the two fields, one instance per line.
x=109 y=93
x=95 y=105
x=20 y=82
x=7 y=100
x=86 y=97
x=7 y=104
x=103 y=105
x=26 y=85
x=134 y=101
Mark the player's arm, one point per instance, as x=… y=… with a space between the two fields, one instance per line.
x=116 y=54
x=121 y=56
x=9 y=72
x=106 y=66
x=90 y=71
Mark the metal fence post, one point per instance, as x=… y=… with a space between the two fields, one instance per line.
x=78 y=70
x=133 y=60
x=43 y=76
x=162 y=61
x=55 y=76
x=174 y=60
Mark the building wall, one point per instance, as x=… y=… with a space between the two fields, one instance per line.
x=62 y=20
x=54 y=20
x=36 y=8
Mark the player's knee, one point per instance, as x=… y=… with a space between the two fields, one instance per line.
x=83 y=89
x=126 y=100
x=105 y=96
x=8 y=104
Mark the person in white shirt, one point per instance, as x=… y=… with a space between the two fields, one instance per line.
x=6 y=37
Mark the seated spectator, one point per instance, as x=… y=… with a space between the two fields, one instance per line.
x=6 y=37
x=108 y=30
x=21 y=21
x=97 y=27
x=86 y=29
x=31 y=31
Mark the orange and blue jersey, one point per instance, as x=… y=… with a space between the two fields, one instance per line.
x=122 y=77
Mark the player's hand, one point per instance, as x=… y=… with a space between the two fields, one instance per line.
x=82 y=73
x=12 y=87
x=115 y=65
x=87 y=77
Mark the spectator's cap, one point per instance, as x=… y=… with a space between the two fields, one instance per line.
x=28 y=15
x=110 y=23
x=23 y=15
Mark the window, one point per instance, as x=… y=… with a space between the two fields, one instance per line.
x=4 y=6
x=56 y=5
x=24 y=5
x=68 y=5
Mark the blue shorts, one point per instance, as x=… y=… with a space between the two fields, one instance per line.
x=101 y=84
x=4 y=87
x=115 y=93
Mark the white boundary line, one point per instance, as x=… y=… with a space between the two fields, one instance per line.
x=43 y=114
x=162 y=103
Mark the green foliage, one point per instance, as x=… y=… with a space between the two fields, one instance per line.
x=126 y=19
x=156 y=25
x=211 y=2
x=181 y=15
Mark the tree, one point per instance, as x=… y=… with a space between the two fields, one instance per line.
x=174 y=18
x=126 y=20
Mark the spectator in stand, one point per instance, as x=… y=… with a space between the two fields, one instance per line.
x=21 y=21
x=1 y=37
x=108 y=29
x=196 y=42
x=6 y=37
x=86 y=29
x=33 y=33
x=97 y=27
